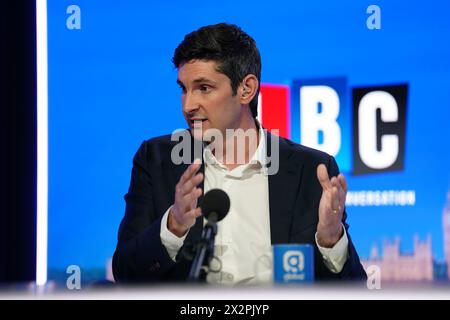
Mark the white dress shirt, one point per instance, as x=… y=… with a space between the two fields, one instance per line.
x=243 y=242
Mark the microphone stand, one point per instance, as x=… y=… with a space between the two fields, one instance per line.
x=204 y=252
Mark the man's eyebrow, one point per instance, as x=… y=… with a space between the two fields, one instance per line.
x=196 y=81
x=203 y=80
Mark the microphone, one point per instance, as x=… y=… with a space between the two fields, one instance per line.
x=215 y=207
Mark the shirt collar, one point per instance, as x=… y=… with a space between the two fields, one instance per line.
x=257 y=161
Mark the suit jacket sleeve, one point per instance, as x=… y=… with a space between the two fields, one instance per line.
x=140 y=255
x=352 y=269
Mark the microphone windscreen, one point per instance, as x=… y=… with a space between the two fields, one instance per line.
x=217 y=201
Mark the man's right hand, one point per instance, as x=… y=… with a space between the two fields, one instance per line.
x=184 y=211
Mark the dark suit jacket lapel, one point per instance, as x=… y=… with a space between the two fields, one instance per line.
x=283 y=190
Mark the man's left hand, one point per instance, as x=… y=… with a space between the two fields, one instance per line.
x=331 y=207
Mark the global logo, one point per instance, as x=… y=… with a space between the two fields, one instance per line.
x=293 y=266
x=293 y=261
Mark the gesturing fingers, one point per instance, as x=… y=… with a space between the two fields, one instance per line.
x=343 y=182
x=191 y=170
x=341 y=185
x=184 y=211
x=322 y=175
x=191 y=198
x=190 y=184
x=335 y=195
x=188 y=179
x=187 y=192
x=343 y=190
x=334 y=188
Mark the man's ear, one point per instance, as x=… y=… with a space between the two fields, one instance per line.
x=248 y=89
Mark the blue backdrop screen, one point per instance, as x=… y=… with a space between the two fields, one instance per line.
x=112 y=85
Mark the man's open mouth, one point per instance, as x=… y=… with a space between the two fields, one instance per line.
x=197 y=121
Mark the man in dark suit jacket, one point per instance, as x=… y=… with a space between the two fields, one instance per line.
x=219 y=73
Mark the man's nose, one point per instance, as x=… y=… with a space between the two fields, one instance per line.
x=190 y=104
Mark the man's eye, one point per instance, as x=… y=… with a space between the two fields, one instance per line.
x=205 y=88
x=183 y=89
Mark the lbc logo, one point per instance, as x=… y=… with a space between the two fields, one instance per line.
x=365 y=133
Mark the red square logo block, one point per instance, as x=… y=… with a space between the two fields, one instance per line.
x=273 y=108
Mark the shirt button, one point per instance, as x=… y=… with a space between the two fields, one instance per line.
x=228 y=276
x=215 y=265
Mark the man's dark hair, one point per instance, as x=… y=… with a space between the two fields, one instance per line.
x=234 y=51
